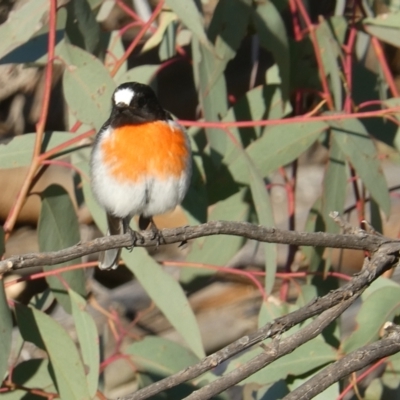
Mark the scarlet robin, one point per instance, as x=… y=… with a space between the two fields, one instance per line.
x=140 y=163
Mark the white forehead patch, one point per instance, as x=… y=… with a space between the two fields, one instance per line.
x=124 y=95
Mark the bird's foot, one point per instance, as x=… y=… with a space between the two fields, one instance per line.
x=135 y=238
x=156 y=234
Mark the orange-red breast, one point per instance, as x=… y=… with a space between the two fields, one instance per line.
x=140 y=163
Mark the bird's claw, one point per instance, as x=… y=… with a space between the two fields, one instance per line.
x=135 y=238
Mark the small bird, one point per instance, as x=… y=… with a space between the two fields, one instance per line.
x=140 y=164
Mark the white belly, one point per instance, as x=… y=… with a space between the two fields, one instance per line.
x=149 y=196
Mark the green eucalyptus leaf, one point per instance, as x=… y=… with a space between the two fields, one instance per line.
x=360 y=151
x=217 y=250
x=334 y=186
x=22 y=24
x=67 y=371
x=88 y=86
x=278 y=146
x=6 y=326
x=382 y=304
x=82 y=29
x=18 y=151
x=272 y=34
x=305 y=358
x=88 y=340
x=58 y=229
x=190 y=16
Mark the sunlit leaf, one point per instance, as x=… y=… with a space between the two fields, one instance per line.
x=35 y=49
x=190 y=16
x=385 y=27
x=305 y=358
x=262 y=203
x=88 y=86
x=167 y=294
x=67 y=370
x=380 y=301
x=18 y=152
x=165 y=19
x=114 y=53
x=22 y=24
x=160 y=356
x=334 y=186
x=212 y=95
x=142 y=74
x=278 y=146
x=330 y=50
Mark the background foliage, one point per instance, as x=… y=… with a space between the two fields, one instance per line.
x=320 y=79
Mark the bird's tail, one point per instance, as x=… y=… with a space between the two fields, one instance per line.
x=109 y=259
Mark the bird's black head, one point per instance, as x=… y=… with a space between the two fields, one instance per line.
x=133 y=102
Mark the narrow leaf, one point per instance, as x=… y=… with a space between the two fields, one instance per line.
x=360 y=151
x=168 y=296
x=115 y=51
x=272 y=34
x=278 y=146
x=67 y=369
x=309 y=356
x=6 y=326
x=88 y=340
x=262 y=203
x=58 y=229
x=212 y=96
x=334 y=186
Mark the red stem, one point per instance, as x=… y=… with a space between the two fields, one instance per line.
x=313 y=36
x=137 y=39
x=360 y=378
x=384 y=65
x=294 y=120
x=35 y=165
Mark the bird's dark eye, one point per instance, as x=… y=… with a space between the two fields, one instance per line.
x=141 y=102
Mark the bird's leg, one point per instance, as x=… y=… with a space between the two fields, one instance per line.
x=135 y=236
x=147 y=222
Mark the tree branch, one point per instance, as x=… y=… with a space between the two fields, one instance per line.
x=273 y=351
x=382 y=260
x=359 y=241
x=352 y=362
